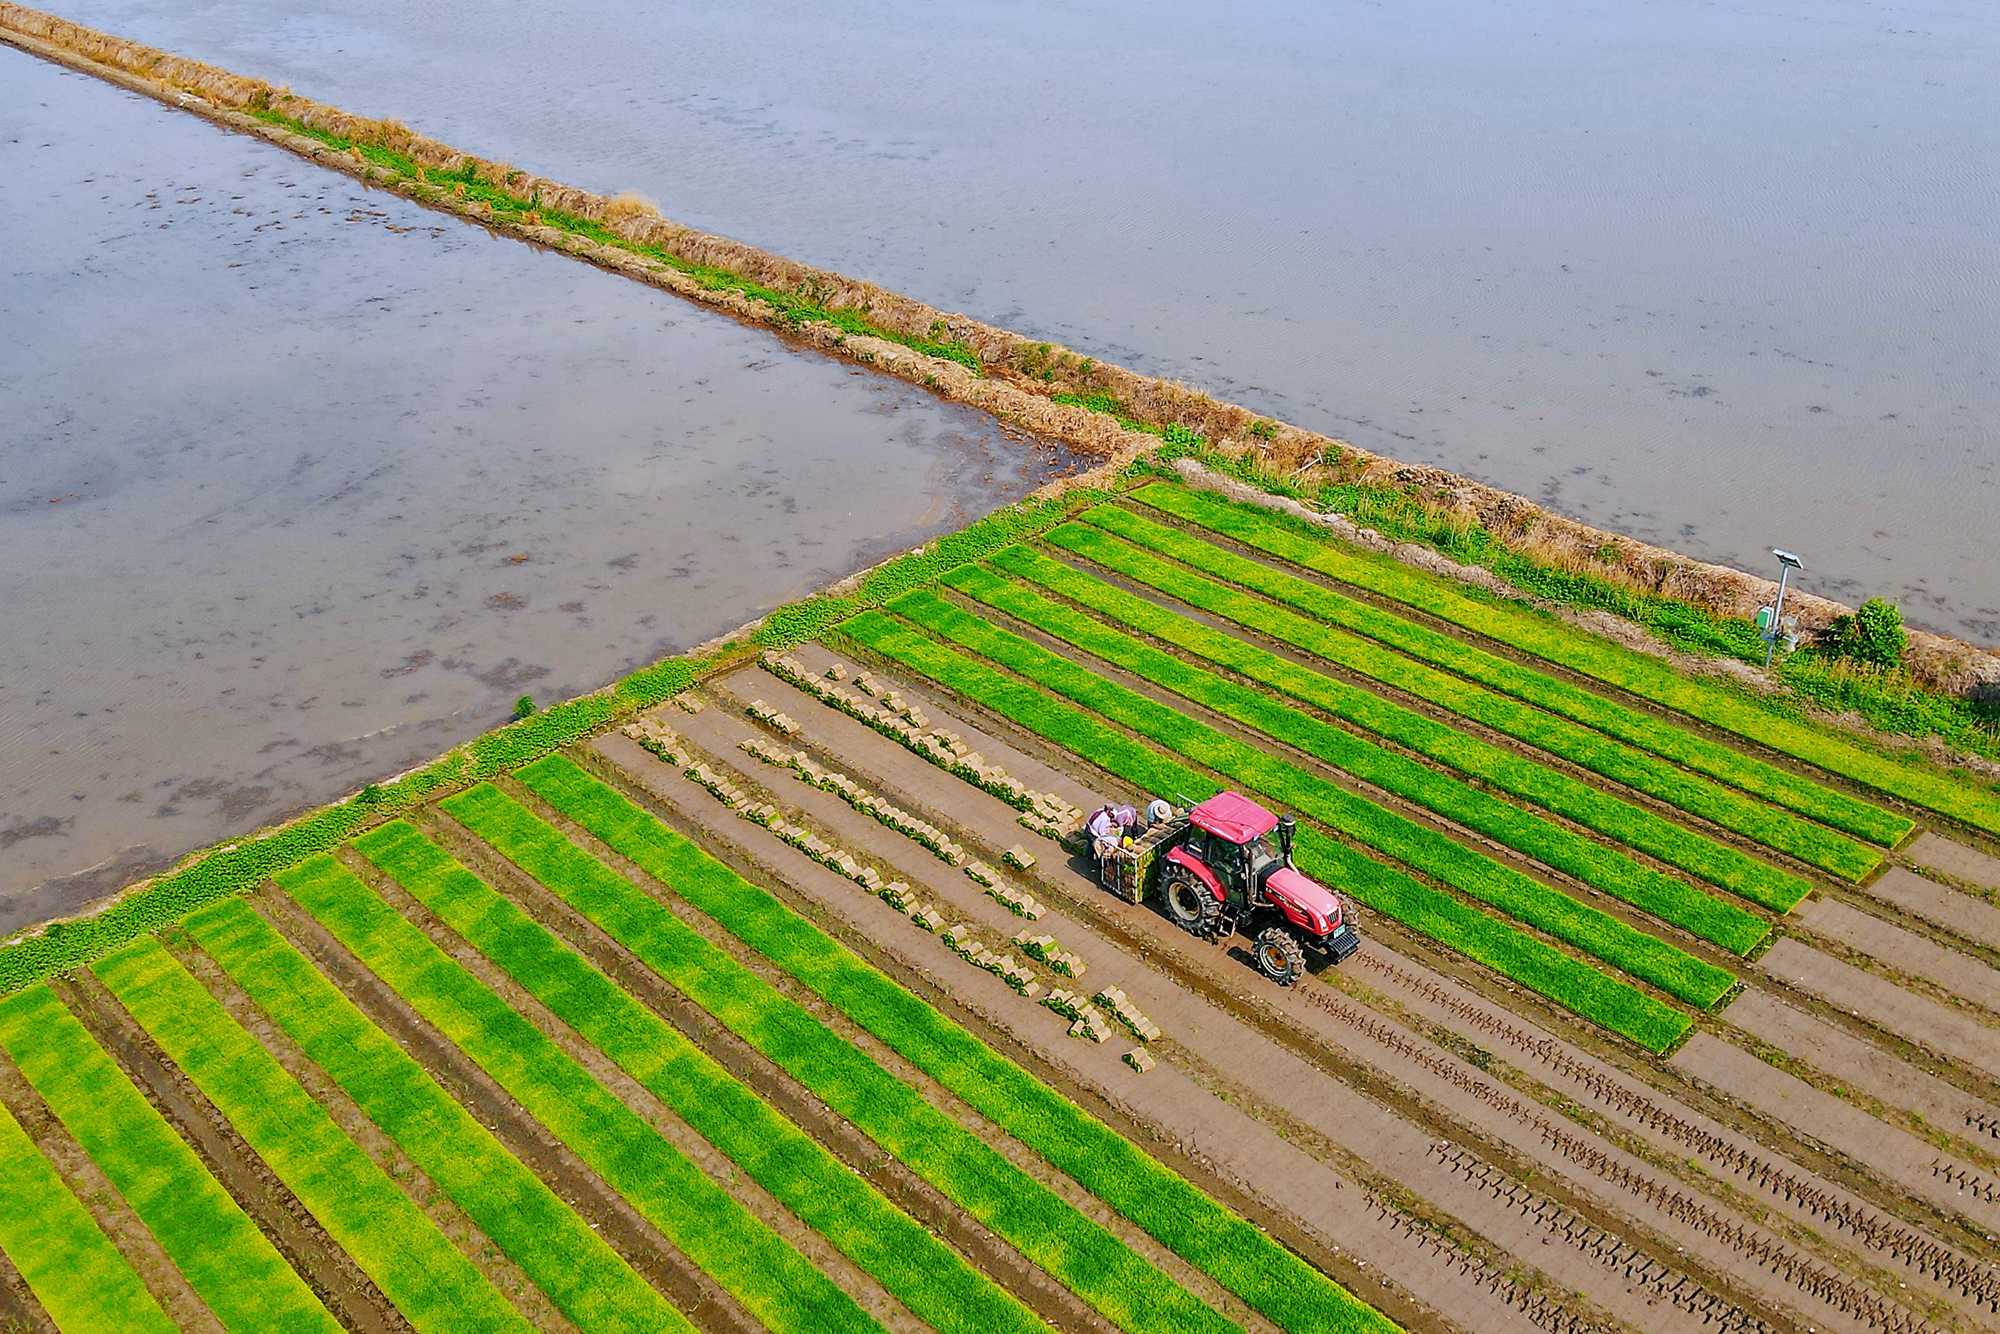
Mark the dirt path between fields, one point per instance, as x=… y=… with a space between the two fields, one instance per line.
x=126 y=1230
x=20 y=1311
x=340 y=1284
x=875 y=758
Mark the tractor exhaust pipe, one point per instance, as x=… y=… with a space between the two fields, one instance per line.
x=1288 y=826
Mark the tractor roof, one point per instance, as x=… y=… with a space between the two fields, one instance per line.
x=1233 y=816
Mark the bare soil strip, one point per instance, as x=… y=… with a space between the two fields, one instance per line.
x=1817 y=1200
x=335 y=1279
x=1855 y=1064
x=1955 y=860
x=1260 y=1065
x=1959 y=974
x=88 y=1183
x=1971 y=917
x=1954 y=1034
x=603 y=1208
x=898 y=1184
x=1956 y=1187
x=505 y=1276
x=20 y=1311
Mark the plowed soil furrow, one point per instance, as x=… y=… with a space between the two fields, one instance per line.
x=1960 y=913
x=1956 y=1187
x=1955 y=860
x=636 y=1239
x=335 y=1279
x=897 y=1183
x=1252 y=1063
x=1955 y=973
x=505 y=1276
x=1852 y=1064
x=20 y=1312
x=88 y=1183
x=1873 y=1226
x=1951 y=1033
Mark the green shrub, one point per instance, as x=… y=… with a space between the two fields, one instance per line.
x=1873 y=634
x=524 y=707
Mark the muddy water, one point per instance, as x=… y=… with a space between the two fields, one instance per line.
x=301 y=485
x=1721 y=276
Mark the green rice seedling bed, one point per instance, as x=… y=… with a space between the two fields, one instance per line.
x=1720 y=762
x=416 y=1267
x=228 y=1262
x=1571 y=983
x=1723 y=923
x=1597 y=933
x=1077 y=1252
x=69 y=1264
x=556 y=1249
x=1593 y=657
x=1269 y=1278
x=1778 y=829
x=932 y=1280
x=777 y=1285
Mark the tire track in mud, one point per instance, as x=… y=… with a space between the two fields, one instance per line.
x=1813 y=1203
x=1192 y=1116
x=347 y=1292
x=615 y=1220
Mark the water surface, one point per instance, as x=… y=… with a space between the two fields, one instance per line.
x=301 y=485
x=1717 y=274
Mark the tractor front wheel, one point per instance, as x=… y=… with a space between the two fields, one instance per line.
x=1278 y=956
x=1191 y=904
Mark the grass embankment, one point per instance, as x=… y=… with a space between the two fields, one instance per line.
x=1662 y=738
x=587 y=1280
x=1223 y=1245
x=1777 y=829
x=1642 y=886
x=1544 y=637
x=226 y=1259
x=1597 y=933
x=933 y=1281
x=68 y=1263
x=434 y=1286
x=1076 y=1252
x=777 y=1285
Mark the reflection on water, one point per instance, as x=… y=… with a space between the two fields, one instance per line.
x=301 y=485
x=1718 y=275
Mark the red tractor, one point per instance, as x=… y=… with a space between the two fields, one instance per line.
x=1217 y=870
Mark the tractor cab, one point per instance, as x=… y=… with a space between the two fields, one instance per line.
x=1231 y=861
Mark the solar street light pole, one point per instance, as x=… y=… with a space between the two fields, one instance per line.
x=1787 y=562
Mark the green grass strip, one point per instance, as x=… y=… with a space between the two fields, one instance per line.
x=228 y=1262
x=1078 y=1253
x=395 y=1243
x=70 y=1265
x=559 y=1252
x=1774 y=828
x=1589 y=929
x=927 y=1276
x=1685 y=906
x=777 y=1285
x=1572 y=983
x=1660 y=737
x=1271 y=1279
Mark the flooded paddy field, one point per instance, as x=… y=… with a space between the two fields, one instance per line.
x=1719 y=278
x=301 y=485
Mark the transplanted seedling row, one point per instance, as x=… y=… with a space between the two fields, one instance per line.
x=932 y=1280
x=1259 y=530
x=1645 y=956
x=1573 y=983
x=1701 y=914
x=1775 y=828
x=1235 y=1253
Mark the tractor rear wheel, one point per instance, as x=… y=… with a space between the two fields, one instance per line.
x=1278 y=956
x=1192 y=905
